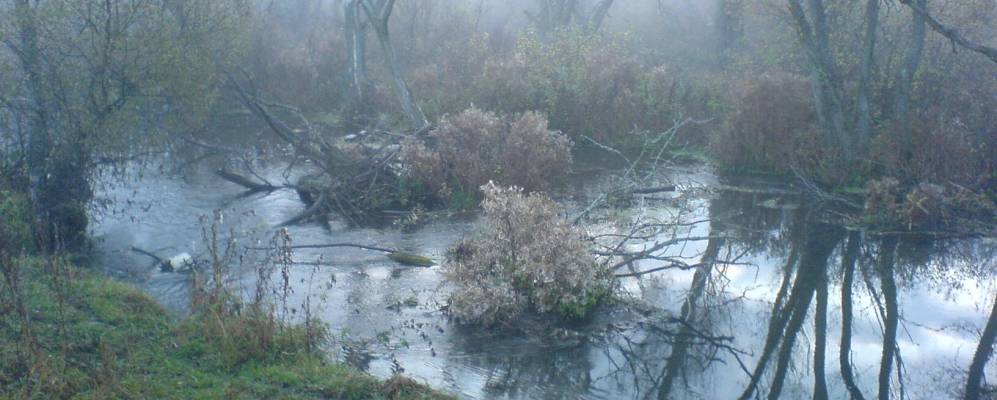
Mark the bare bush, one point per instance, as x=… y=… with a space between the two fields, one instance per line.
x=524 y=258
x=475 y=147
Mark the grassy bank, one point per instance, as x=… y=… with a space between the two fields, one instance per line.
x=91 y=337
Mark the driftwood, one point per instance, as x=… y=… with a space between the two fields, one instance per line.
x=397 y=256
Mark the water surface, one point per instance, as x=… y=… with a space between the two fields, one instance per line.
x=682 y=334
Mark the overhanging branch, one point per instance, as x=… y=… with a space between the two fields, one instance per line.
x=951 y=33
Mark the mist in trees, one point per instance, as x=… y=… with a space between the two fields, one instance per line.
x=384 y=114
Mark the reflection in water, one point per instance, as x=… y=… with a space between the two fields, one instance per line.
x=845 y=349
x=759 y=316
x=816 y=244
x=974 y=385
x=690 y=308
x=887 y=256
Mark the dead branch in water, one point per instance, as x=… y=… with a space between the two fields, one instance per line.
x=318 y=207
x=164 y=264
x=355 y=180
x=150 y=254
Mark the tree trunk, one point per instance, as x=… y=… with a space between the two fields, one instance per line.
x=827 y=85
x=409 y=106
x=864 y=123
x=356 y=35
x=379 y=19
x=729 y=28
x=39 y=137
x=983 y=353
x=908 y=69
x=598 y=15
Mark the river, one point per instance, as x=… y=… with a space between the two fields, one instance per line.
x=682 y=334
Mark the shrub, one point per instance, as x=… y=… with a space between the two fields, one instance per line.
x=933 y=152
x=524 y=258
x=775 y=116
x=15 y=224
x=475 y=147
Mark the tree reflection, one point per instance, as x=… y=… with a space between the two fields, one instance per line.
x=690 y=308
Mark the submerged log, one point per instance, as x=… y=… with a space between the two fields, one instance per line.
x=411 y=259
x=397 y=256
x=654 y=190
x=245 y=182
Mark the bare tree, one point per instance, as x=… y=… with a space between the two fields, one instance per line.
x=83 y=69
x=847 y=116
x=378 y=13
x=356 y=40
x=729 y=24
x=905 y=77
x=557 y=14
x=828 y=87
x=864 y=119
x=920 y=8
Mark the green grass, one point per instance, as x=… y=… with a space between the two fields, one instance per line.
x=106 y=339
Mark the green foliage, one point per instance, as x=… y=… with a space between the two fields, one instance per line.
x=106 y=339
x=15 y=224
x=464 y=199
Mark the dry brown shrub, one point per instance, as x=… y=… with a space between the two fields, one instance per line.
x=933 y=152
x=525 y=257
x=475 y=147
x=534 y=155
x=774 y=120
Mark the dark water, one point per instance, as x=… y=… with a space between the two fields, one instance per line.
x=769 y=287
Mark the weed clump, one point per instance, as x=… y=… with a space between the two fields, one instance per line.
x=525 y=258
x=474 y=147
